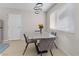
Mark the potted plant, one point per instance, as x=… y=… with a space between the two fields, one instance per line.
x=40 y=27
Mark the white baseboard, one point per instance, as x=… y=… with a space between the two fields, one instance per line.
x=12 y=40
x=5 y=40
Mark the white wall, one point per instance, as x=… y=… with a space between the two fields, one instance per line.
x=29 y=19
x=66 y=41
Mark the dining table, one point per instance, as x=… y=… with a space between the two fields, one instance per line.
x=39 y=36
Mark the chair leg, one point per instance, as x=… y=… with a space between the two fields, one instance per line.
x=51 y=52
x=41 y=54
x=25 y=49
x=35 y=44
x=55 y=45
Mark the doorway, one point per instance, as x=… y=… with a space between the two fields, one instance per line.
x=14 y=27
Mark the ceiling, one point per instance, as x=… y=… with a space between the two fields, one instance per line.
x=25 y=6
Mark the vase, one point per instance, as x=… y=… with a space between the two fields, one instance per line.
x=40 y=30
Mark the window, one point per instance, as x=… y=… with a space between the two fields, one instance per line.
x=52 y=20
x=65 y=18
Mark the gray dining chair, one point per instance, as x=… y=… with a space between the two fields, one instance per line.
x=28 y=42
x=54 y=33
x=46 y=45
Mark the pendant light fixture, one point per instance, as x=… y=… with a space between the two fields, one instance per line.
x=38 y=8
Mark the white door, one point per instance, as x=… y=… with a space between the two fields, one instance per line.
x=14 y=27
